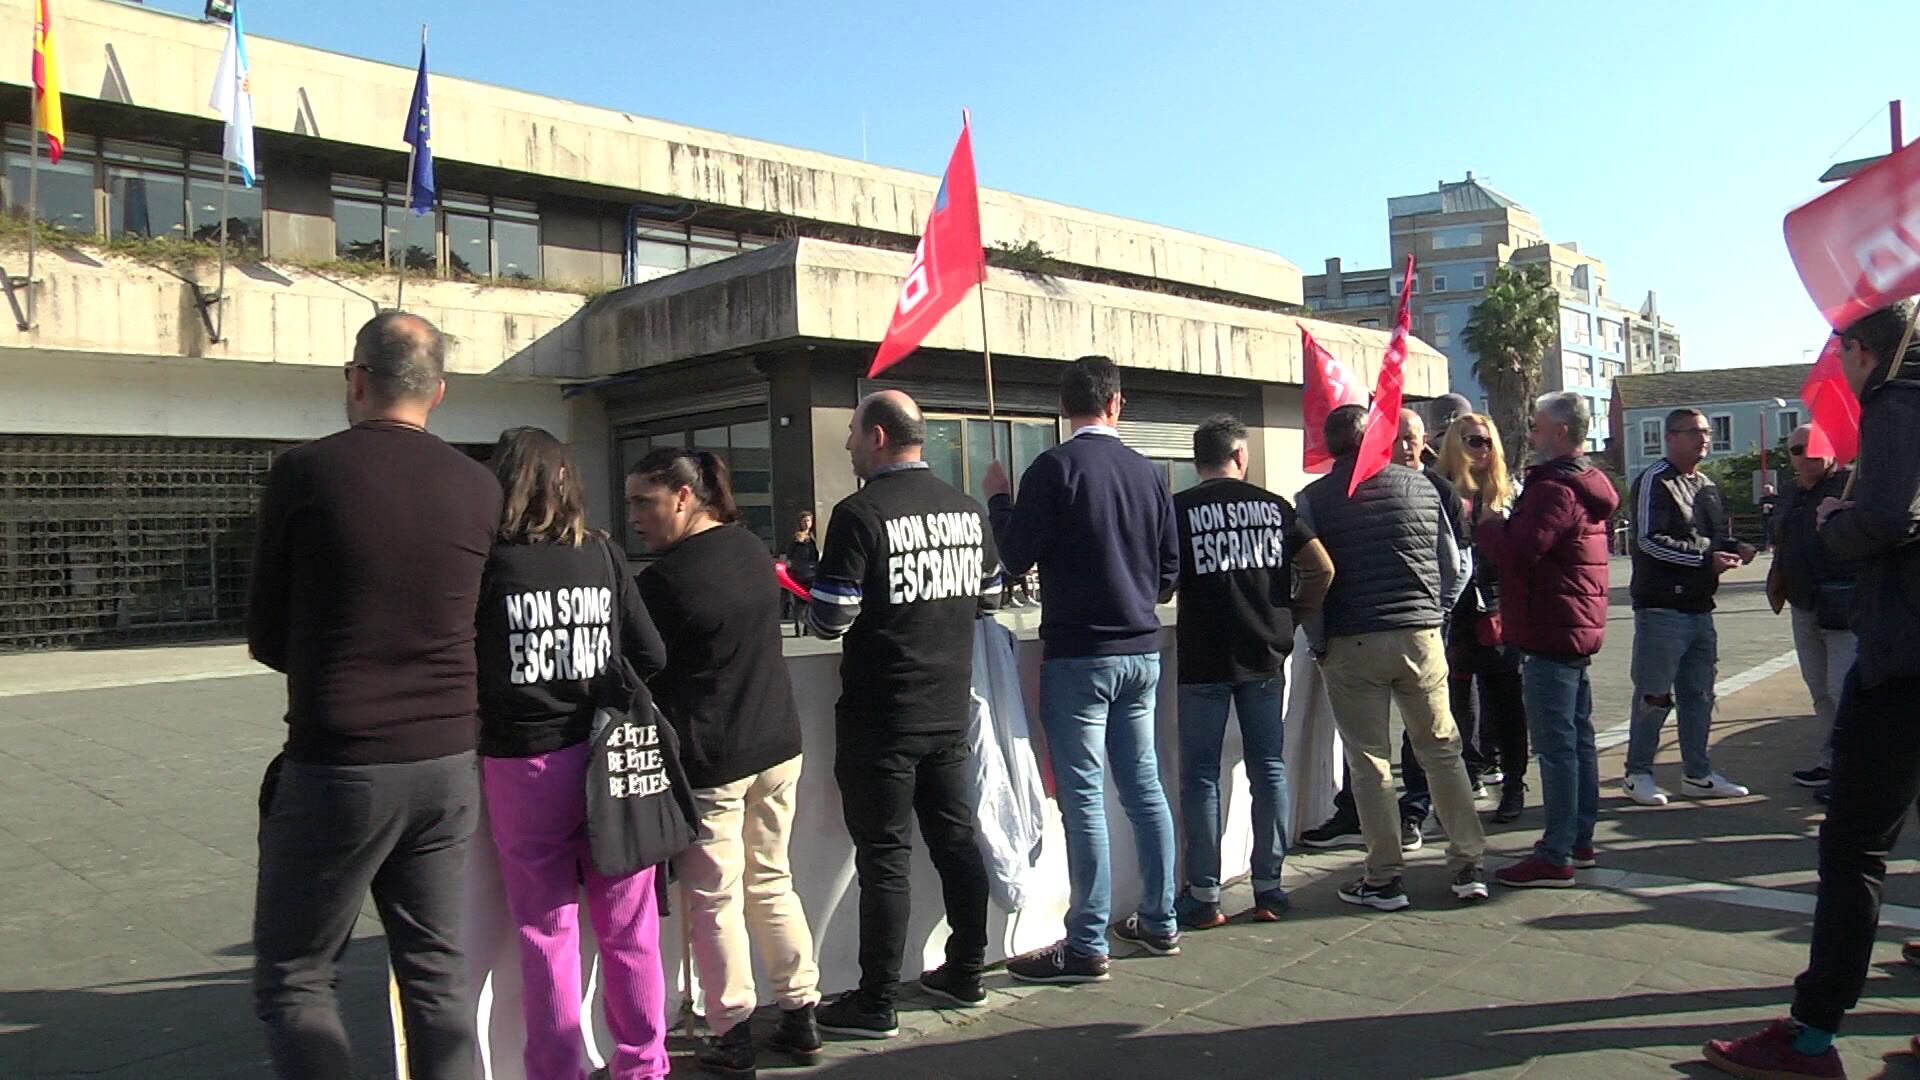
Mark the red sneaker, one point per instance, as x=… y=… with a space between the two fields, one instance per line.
x=1769 y=1055
x=1584 y=858
x=1534 y=872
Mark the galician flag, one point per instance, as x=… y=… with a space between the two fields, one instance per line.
x=46 y=83
x=233 y=100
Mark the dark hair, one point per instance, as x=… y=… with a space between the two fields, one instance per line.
x=1680 y=414
x=543 y=496
x=1879 y=332
x=1216 y=438
x=1089 y=383
x=404 y=355
x=1344 y=429
x=903 y=428
x=700 y=470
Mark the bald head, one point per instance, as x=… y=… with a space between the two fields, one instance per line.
x=1808 y=470
x=404 y=356
x=1412 y=438
x=887 y=429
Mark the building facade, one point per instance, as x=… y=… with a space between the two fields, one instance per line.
x=622 y=281
x=1746 y=407
x=1460 y=234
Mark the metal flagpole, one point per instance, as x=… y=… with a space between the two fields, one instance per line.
x=33 y=199
x=993 y=426
x=220 y=286
x=413 y=155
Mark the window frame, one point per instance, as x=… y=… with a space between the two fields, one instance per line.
x=1714 y=445
x=391 y=195
x=1652 y=437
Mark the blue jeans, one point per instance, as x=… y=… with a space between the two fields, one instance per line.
x=1095 y=709
x=1203 y=725
x=1559 y=701
x=1674 y=655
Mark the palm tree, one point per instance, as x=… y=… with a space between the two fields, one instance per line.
x=1509 y=333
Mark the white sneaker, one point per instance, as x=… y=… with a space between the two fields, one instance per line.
x=1642 y=789
x=1714 y=786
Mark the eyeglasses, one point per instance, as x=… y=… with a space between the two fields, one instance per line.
x=347 y=372
x=1478 y=442
x=1797 y=451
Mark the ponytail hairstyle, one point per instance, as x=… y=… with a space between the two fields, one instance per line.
x=701 y=471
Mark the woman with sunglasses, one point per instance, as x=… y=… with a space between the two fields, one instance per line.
x=1472 y=460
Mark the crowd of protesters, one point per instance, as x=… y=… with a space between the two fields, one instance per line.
x=409 y=596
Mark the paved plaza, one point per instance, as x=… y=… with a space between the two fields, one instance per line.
x=126 y=877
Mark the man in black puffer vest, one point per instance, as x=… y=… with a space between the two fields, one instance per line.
x=1396 y=560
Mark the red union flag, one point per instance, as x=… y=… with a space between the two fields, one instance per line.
x=1383 y=416
x=949 y=261
x=1858 y=246
x=1329 y=385
x=1836 y=412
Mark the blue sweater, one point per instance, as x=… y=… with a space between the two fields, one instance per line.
x=1097 y=518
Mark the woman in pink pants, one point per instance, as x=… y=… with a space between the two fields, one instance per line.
x=556 y=603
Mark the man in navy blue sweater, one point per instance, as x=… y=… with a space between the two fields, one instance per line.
x=1097 y=518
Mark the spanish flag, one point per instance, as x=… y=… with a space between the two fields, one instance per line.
x=46 y=83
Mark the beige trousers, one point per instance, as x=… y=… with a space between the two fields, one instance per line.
x=1408 y=668
x=740 y=888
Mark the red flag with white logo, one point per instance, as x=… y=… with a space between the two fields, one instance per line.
x=1836 y=412
x=1329 y=385
x=1858 y=246
x=1383 y=416
x=949 y=261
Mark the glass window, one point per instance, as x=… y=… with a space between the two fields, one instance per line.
x=1650 y=437
x=356 y=219
x=66 y=195
x=1722 y=433
x=960 y=448
x=143 y=202
x=713 y=438
x=946 y=451
x=468 y=252
x=1789 y=420
x=422 y=243
x=1479 y=281
x=245 y=222
x=757 y=435
x=517 y=244
x=1439 y=283
x=1183 y=475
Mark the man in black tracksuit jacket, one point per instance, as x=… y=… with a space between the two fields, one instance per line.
x=909 y=564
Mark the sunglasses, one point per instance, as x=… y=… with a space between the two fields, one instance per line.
x=1478 y=442
x=1797 y=451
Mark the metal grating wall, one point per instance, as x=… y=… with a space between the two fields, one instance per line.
x=118 y=541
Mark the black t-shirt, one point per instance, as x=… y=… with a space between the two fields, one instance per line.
x=725 y=689
x=552 y=618
x=916 y=560
x=365 y=577
x=1237 y=543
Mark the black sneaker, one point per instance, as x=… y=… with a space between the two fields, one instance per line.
x=730 y=1054
x=1411 y=837
x=1130 y=931
x=1513 y=803
x=1470 y=884
x=852 y=1014
x=1814 y=777
x=1340 y=831
x=1388 y=897
x=1059 y=964
x=1198 y=914
x=949 y=984
x=798 y=1035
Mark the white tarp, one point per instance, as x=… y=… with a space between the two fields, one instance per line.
x=1008 y=796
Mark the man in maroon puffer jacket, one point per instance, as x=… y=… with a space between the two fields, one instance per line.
x=1552 y=556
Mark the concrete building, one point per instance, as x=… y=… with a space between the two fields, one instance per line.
x=623 y=281
x=1460 y=234
x=1745 y=406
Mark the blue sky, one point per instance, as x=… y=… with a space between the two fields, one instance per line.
x=1666 y=138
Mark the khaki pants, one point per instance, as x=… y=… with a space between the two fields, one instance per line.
x=741 y=855
x=1364 y=673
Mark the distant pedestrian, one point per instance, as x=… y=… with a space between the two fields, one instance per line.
x=1769 y=505
x=1241 y=549
x=539 y=684
x=1379 y=644
x=1818 y=590
x=1096 y=517
x=803 y=561
x=1876 y=744
x=725 y=690
x=366 y=576
x=1552 y=558
x=1682 y=544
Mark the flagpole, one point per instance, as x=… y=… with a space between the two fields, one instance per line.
x=993 y=427
x=220 y=286
x=33 y=198
x=413 y=156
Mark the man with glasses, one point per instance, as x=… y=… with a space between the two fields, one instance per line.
x=1818 y=589
x=1682 y=543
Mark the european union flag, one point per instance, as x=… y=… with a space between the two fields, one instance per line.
x=419 y=133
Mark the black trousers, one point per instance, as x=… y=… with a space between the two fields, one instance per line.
x=886 y=780
x=1502 y=722
x=328 y=833
x=1876 y=780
